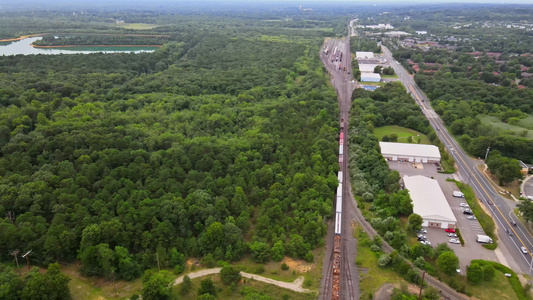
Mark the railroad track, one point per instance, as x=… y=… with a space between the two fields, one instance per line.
x=347 y=273
x=327 y=282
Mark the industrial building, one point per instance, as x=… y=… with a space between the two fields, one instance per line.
x=410 y=152
x=367 y=68
x=364 y=55
x=429 y=202
x=370 y=77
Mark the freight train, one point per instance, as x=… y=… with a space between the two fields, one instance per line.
x=335 y=284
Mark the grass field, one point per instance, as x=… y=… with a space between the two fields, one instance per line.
x=371 y=277
x=498 y=288
x=524 y=126
x=89 y=288
x=137 y=26
x=402 y=132
x=224 y=292
x=92 y=288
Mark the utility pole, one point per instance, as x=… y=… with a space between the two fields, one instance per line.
x=15 y=253
x=421 y=286
x=487 y=154
x=27 y=256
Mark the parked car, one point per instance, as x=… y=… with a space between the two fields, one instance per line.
x=464 y=205
x=455 y=241
x=425 y=242
x=471 y=218
x=422 y=231
x=467 y=212
x=450 y=230
x=452 y=235
x=421 y=238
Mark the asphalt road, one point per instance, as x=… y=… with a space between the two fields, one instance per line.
x=341 y=79
x=500 y=207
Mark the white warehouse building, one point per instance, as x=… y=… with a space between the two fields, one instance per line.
x=367 y=68
x=370 y=77
x=363 y=55
x=410 y=152
x=429 y=202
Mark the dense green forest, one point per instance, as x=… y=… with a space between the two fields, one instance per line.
x=220 y=144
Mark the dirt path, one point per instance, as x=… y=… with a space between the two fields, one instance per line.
x=296 y=285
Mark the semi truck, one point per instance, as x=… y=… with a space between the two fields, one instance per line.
x=483 y=239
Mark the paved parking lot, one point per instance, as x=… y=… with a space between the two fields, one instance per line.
x=469 y=228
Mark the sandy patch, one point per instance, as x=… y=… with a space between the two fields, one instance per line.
x=298 y=265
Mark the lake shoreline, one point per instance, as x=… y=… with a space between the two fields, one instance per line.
x=75 y=46
x=41 y=34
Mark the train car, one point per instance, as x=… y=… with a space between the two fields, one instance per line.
x=342 y=127
x=338 y=207
x=339 y=177
x=341 y=159
x=338 y=225
x=341 y=149
x=341 y=139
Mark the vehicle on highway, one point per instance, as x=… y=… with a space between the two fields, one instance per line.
x=450 y=230
x=455 y=241
x=509 y=231
x=464 y=205
x=471 y=218
x=523 y=249
x=468 y=212
x=452 y=235
x=422 y=231
x=513 y=223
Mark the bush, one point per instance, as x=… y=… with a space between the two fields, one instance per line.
x=375 y=248
x=307 y=283
x=284 y=267
x=207 y=287
x=448 y=262
x=384 y=260
x=229 y=275
x=474 y=273
x=309 y=257
x=488 y=273
x=420 y=263
x=186 y=286
x=259 y=270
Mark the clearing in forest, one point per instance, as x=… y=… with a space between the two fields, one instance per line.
x=403 y=134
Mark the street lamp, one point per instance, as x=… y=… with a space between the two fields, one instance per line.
x=487 y=154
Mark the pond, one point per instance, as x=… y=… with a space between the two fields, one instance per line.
x=24 y=47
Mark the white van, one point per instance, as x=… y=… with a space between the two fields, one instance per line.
x=458 y=194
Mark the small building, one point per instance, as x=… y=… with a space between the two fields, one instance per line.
x=410 y=152
x=429 y=202
x=367 y=68
x=364 y=55
x=370 y=77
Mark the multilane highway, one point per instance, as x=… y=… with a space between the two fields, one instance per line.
x=500 y=207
